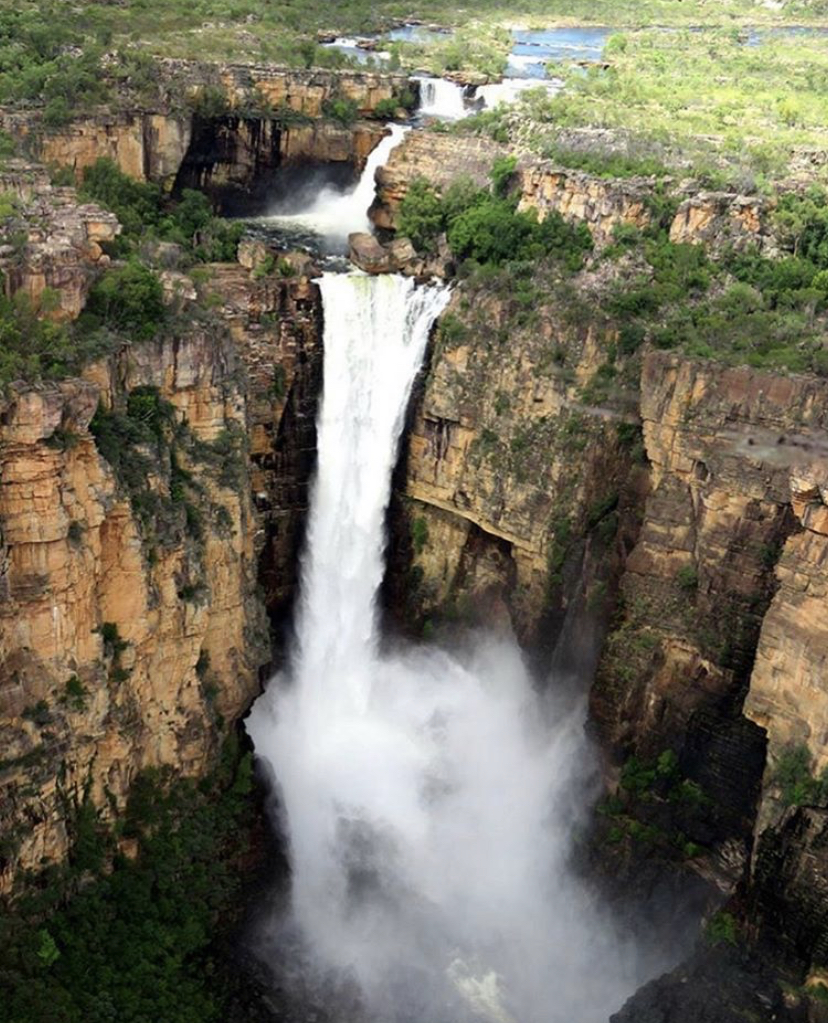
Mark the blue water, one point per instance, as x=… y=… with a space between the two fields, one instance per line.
x=417 y=34
x=533 y=50
x=562 y=43
x=345 y=45
x=757 y=36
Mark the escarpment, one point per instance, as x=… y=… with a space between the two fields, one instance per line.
x=714 y=219
x=226 y=129
x=512 y=489
x=125 y=641
x=150 y=514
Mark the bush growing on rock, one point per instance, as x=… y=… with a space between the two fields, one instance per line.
x=144 y=212
x=129 y=299
x=486 y=226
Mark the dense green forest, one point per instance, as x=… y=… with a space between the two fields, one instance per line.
x=90 y=943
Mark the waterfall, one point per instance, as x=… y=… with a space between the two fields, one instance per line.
x=441 y=98
x=333 y=214
x=428 y=797
x=510 y=90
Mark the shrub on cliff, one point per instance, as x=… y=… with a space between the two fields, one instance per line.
x=33 y=349
x=485 y=226
x=129 y=299
x=421 y=216
x=144 y=211
x=137 y=204
x=494 y=232
x=341 y=109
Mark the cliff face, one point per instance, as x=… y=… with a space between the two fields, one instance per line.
x=715 y=219
x=150 y=518
x=232 y=157
x=513 y=485
x=525 y=494
x=57 y=246
x=441 y=159
x=273 y=116
x=118 y=654
x=275 y=324
x=787 y=697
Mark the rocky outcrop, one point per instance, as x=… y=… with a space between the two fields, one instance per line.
x=275 y=324
x=603 y=204
x=787 y=695
x=55 y=245
x=271 y=115
x=399 y=256
x=714 y=219
x=512 y=481
x=231 y=157
x=150 y=517
x=438 y=158
x=305 y=92
x=722 y=220
x=442 y=159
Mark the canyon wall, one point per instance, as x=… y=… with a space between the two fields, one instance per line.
x=151 y=513
x=120 y=651
x=268 y=116
x=512 y=483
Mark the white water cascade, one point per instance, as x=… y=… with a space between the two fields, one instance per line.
x=429 y=798
x=333 y=214
x=441 y=98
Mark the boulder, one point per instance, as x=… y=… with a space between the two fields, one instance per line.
x=399 y=256
x=371 y=255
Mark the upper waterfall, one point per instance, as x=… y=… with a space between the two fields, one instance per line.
x=441 y=98
x=333 y=214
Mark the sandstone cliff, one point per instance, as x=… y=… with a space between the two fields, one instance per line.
x=715 y=219
x=271 y=116
x=150 y=515
x=118 y=654
x=57 y=243
x=513 y=481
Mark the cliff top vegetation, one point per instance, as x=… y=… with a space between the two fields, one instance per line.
x=736 y=85
x=705 y=102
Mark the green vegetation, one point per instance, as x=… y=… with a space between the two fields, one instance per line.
x=146 y=214
x=738 y=307
x=128 y=299
x=340 y=109
x=605 y=164
x=722 y=929
x=148 y=449
x=88 y=945
x=419 y=534
x=701 y=102
x=32 y=348
x=794 y=776
x=126 y=303
x=688 y=578
x=485 y=227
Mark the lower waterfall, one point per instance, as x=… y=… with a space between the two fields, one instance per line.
x=429 y=797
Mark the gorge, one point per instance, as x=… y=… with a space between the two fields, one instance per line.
x=427 y=797
x=506 y=549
